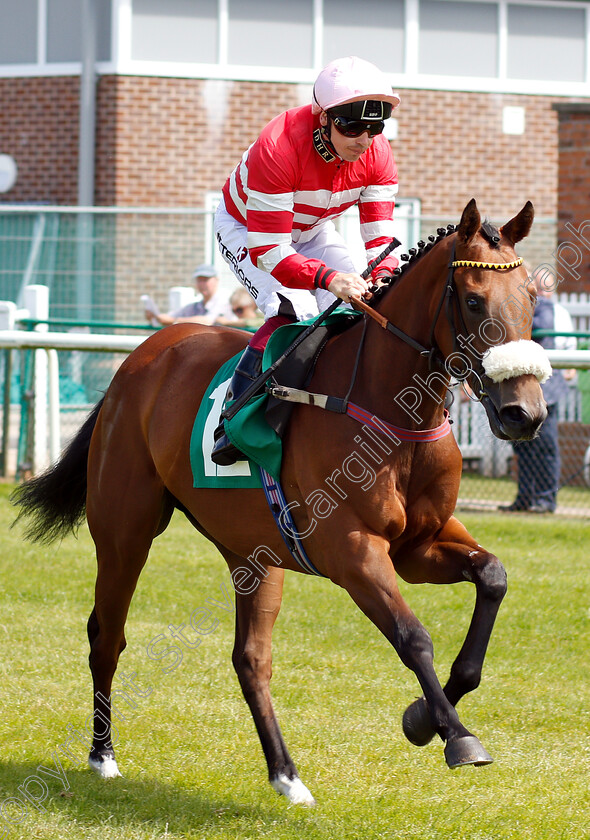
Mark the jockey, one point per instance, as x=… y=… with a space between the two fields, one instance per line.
x=274 y=223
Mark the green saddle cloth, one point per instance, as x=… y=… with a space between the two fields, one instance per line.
x=248 y=430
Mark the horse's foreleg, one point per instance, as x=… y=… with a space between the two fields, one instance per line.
x=373 y=586
x=255 y=617
x=455 y=557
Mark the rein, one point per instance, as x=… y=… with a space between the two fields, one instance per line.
x=343 y=406
x=359 y=304
x=433 y=353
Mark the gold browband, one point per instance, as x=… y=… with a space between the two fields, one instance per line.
x=475 y=264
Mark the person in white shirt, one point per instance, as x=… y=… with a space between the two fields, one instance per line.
x=210 y=305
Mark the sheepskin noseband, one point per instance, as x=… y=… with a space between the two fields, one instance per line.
x=516 y=358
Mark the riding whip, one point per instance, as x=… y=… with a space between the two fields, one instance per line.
x=258 y=384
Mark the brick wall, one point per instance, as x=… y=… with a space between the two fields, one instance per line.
x=451 y=148
x=173 y=138
x=573 y=250
x=39 y=128
x=165 y=142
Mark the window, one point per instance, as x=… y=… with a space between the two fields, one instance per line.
x=513 y=46
x=372 y=29
x=64 y=30
x=175 y=30
x=458 y=39
x=269 y=33
x=406 y=228
x=546 y=43
x=18 y=32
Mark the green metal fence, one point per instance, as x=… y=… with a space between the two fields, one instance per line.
x=97 y=263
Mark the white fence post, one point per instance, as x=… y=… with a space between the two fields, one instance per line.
x=7 y=315
x=36 y=300
x=54 y=406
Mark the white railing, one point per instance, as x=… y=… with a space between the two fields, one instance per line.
x=473 y=437
x=578 y=306
x=46 y=399
x=487 y=453
x=47 y=436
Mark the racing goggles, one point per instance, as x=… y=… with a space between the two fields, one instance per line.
x=354 y=128
x=354 y=118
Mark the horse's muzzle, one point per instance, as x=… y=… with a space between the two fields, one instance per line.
x=512 y=416
x=518 y=423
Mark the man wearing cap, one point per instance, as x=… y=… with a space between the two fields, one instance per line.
x=274 y=225
x=210 y=305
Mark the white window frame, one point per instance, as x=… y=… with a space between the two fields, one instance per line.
x=501 y=83
x=123 y=64
x=406 y=220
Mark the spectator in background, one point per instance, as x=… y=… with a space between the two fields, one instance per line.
x=211 y=304
x=244 y=311
x=539 y=463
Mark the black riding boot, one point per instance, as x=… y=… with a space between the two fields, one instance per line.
x=248 y=369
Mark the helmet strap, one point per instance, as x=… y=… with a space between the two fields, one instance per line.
x=326 y=131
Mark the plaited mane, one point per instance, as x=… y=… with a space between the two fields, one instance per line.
x=488 y=230
x=491 y=233
x=413 y=256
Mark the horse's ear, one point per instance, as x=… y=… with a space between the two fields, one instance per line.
x=470 y=223
x=520 y=226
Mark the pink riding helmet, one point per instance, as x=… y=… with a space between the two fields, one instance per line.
x=351 y=79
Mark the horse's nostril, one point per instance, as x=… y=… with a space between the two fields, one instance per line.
x=514 y=415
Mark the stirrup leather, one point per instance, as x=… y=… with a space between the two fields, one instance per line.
x=247 y=370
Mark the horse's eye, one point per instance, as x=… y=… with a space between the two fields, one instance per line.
x=473 y=303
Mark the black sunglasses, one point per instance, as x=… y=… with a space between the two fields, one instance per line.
x=354 y=128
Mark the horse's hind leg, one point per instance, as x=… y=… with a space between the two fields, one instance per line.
x=256 y=613
x=454 y=557
x=123 y=523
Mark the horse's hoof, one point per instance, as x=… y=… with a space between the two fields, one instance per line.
x=466 y=750
x=104 y=765
x=293 y=789
x=416 y=723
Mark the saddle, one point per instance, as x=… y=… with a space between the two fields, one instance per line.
x=258 y=427
x=297 y=369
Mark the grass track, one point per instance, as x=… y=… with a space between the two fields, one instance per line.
x=190 y=757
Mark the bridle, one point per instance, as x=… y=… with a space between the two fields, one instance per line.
x=477 y=264
x=448 y=299
x=433 y=353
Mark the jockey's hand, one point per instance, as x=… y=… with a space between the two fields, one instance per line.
x=344 y=285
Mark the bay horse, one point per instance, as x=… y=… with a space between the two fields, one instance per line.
x=461 y=300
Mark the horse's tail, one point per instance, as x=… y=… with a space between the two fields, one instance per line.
x=55 y=501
